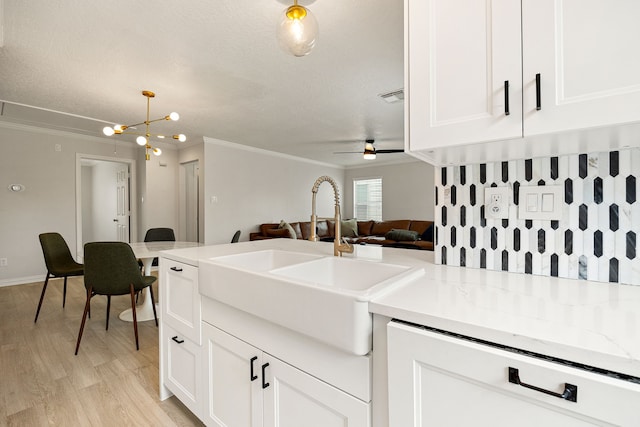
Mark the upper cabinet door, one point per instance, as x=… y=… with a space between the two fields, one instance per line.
x=460 y=55
x=586 y=52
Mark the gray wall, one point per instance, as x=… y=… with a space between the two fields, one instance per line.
x=407 y=189
x=28 y=156
x=254 y=186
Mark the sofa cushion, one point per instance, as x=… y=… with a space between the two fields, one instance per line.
x=297 y=229
x=265 y=227
x=380 y=228
x=287 y=226
x=428 y=234
x=420 y=226
x=402 y=235
x=349 y=228
x=364 y=227
x=278 y=233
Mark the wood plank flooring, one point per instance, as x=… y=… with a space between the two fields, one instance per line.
x=109 y=383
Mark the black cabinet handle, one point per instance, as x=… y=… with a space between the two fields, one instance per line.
x=177 y=340
x=538 y=101
x=178 y=269
x=264 y=383
x=570 y=391
x=506 y=98
x=253 y=377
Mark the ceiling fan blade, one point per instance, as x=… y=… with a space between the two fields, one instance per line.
x=396 y=150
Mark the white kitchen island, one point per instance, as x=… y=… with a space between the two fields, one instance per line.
x=593 y=324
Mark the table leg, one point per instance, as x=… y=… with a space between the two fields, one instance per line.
x=144 y=311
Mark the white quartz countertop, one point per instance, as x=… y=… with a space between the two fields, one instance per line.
x=596 y=324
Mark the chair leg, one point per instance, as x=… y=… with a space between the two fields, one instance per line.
x=84 y=318
x=108 y=310
x=153 y=304
x=64 y=292
x=44 y=288
x=135 y=318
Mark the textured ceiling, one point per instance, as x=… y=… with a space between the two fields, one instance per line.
x=217 y=63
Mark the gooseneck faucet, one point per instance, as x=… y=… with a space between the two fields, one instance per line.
x=338 y=247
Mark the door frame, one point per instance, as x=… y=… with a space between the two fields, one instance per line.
x=133 y=219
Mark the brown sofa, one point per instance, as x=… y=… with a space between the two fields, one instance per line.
x=404 y=233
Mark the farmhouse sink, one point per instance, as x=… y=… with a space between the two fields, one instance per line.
x=325 y=298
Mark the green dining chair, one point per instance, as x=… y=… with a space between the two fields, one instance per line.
x=111 y=268
x=59 y=262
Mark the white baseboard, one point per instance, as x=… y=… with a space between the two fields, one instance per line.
x=21 y=280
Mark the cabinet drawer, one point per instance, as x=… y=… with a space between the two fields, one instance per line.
x=445 y=373
x=180 y=299
x=182 y=369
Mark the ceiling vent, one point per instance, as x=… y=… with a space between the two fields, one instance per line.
x=391 y=97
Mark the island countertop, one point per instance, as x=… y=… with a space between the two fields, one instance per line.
x=592 y=323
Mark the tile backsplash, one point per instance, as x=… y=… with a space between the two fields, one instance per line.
x=596 y=239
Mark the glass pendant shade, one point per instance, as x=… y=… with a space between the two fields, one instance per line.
x=297 y=31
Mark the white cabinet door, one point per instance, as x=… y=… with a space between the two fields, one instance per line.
x=181 y=368
x=180 y=299
x=459 y=55
x=586 y=54
x=294 y=398
x=233 y=376
x=439 y=380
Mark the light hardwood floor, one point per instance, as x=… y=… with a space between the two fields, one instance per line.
x=108 y=383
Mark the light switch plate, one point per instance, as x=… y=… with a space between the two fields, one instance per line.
x=541 y=202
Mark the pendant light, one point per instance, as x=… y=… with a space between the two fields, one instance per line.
x=297 y=31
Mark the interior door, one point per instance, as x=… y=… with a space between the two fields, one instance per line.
x=122 y=203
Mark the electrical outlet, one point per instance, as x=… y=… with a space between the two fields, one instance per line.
x=496 y=202
x=3 y=262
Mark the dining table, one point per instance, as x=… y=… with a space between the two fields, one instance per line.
x=146 y=252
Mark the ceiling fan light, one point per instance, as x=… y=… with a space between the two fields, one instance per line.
x=369 y=156
x=141 y=140
x=297 y=31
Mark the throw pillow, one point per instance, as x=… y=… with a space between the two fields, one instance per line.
x=277 y=232
x=287 y=226
x=402 y=235
x=428 y=234
x=349 y=228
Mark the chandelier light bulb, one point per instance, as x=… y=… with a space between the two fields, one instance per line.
x=182 y=137
x=157 y=151
x=297 y=31
x=174 y=116
x=141 y=140
x=108 y=131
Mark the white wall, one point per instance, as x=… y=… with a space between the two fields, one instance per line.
x=190 y=154
x=28 y=156
x=256 y=186
x=407 y=189
x=159 y=201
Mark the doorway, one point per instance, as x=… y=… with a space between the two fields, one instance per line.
x=104 y=194
x=189 y=201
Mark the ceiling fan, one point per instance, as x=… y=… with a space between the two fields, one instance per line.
x=370 y=151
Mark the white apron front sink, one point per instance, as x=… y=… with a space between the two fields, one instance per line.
x=326 y=298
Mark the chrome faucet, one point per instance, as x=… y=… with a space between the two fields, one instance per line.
x=338 y=246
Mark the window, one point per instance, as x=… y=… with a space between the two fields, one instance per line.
x=367 y=199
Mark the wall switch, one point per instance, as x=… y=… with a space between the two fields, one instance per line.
x=3 y=262
x=541 y=202
x=496 y=200
x=58 y=147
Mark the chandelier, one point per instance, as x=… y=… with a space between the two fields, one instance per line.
x=143 y=138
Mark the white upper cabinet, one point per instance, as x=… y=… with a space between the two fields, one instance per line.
x=570 y=65
x=586 y=54
x=459 y=55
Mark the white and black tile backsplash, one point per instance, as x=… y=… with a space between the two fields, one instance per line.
x=595 y=240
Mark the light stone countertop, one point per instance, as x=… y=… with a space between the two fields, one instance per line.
x=592 y=323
